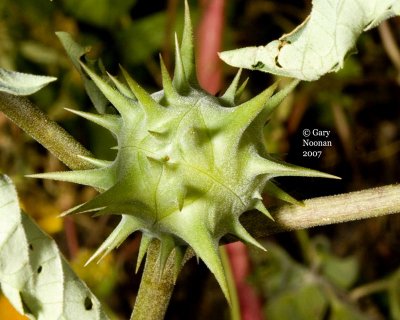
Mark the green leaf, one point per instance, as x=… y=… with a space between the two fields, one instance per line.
x=343 y=311
x=34 y=275
x=340 y=271
x=294 y=291
x=290 y=304
x=103 y=13
x=320 y=44
x=75 y=53
x=140 y=41
x=22 y=84
x=287 y=284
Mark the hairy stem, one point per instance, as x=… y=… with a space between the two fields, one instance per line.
x=47 y=132
x=155 y=291
x=368 y=203
x=155 y=288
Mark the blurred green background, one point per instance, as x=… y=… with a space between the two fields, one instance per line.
x=349 y=271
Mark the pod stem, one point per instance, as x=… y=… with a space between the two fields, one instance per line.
x=155 y=292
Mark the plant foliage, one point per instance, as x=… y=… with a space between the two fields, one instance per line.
x=320 y=44
x=34 y=275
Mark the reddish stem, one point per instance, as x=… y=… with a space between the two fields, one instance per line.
x=250 y=304
x=209 y=44
x=210 y=77
x=71 y=237
x=171 y=17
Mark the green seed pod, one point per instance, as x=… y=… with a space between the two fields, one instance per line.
x=188 y=163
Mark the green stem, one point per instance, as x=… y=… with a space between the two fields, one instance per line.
x=47 y=132
x=235 y=306
x=306 y=248
x=370 y=288
x=155 y=291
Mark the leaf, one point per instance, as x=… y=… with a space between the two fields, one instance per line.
x=75 y=53
x=34 y=275
x=290 y=304
x=140 y=41
x=342 y=272
x=103 y=13
x=343 y=311
x=22 y=84
x=294 y=291
x=287 y=284
x=320 y=44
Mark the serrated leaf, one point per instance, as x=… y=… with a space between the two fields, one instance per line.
x=34 y=275
x=22 y=84
x=320 y=44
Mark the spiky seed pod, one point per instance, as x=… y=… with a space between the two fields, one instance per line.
x=188 y=164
